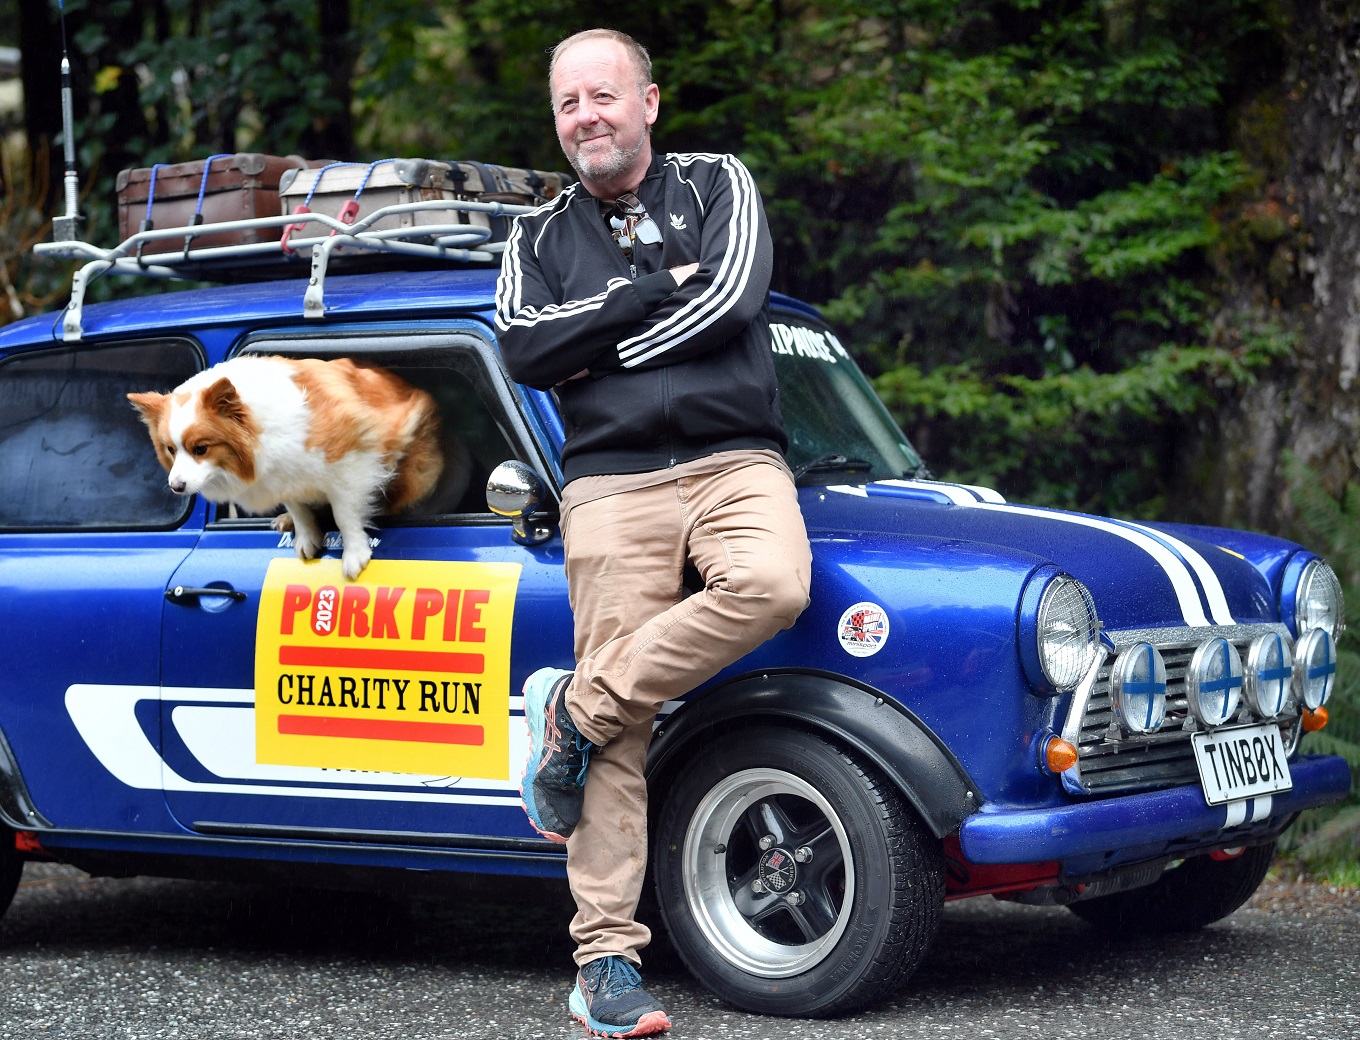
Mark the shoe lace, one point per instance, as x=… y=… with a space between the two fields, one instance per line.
x=585 y=747
x=552 y=737
x=616 y=976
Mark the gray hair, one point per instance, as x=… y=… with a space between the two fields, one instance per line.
x=641 y=59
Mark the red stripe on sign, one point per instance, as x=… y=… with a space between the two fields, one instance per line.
x=381 y=729
x=391 y=660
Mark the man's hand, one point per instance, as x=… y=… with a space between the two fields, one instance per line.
x=681 y=273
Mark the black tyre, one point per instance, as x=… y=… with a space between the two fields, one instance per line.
x=792 y=880
x=1198 y=892
x=11 y=866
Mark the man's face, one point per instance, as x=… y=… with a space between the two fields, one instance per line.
x=603 y=114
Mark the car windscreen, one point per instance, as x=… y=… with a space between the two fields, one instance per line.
x=839 y=431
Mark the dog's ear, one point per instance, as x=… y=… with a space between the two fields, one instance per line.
x=150 y=405
x=223 y=399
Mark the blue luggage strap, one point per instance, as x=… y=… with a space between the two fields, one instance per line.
x=197 y=218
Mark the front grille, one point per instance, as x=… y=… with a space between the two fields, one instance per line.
x=1109 y=760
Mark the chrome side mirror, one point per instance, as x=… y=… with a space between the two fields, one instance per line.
x=515 y=490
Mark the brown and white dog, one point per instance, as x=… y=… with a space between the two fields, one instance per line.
x=265 y=431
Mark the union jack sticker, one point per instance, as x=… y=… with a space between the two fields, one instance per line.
x=863 y=629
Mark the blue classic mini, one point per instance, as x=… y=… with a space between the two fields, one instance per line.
x=983 y=697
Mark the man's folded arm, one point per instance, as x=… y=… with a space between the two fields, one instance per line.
x=545 y=342
x=729 y=288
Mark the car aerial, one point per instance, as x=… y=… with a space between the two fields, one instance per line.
x=983 y=698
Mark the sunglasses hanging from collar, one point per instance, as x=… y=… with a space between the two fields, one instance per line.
x=630 y=224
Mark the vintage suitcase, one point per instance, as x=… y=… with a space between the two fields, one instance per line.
x=224 y=187
x=352 y=191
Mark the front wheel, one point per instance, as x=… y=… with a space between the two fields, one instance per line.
x=1191 y=895
x=792 y=879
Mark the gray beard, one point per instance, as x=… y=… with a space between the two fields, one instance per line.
x=605 y=168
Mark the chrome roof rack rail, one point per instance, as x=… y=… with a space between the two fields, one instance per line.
x=451 y=242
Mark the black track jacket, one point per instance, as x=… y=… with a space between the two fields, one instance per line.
x=675 y=373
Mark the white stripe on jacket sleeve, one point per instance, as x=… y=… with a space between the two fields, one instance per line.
x=730 y=282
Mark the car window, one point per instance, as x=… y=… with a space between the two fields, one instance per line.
x=473 y=440
x=73 y=452
x=829 y=407
x=475 y=433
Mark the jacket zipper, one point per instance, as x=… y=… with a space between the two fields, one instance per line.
x=666 y=414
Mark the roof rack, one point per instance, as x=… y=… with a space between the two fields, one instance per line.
x=452 y=242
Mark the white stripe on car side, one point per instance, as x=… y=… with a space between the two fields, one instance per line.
x=105 y=717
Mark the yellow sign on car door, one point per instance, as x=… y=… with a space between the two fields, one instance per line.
x=406 y=670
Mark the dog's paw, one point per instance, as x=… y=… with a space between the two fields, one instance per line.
x=283 y=523
x=308 y=542
x=356 y=558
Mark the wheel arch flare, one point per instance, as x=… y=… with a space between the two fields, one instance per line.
x=877 y=728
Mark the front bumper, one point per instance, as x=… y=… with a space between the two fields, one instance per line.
x=998 y=835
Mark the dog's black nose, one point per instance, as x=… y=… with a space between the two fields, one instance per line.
x=177 y=486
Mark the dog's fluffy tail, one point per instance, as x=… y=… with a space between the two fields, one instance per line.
x=420 y=465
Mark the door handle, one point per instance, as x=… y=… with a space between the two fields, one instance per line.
x=186 y=596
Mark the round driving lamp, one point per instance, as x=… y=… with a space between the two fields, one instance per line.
x=1318 y=603
x=1213 y=682
x=1138 y=689
x=1269 y=675
x=1068 y=632
x=1315 y=668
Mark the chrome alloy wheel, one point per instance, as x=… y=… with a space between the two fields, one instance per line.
x=768 y=872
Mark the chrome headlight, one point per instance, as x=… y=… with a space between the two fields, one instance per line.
x=1138 y=689
x=1315 y=668
x=1318 y=602
x=1269 y=677
x=1068 y=632
x=1213 y=682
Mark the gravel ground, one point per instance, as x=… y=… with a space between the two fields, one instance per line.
x=145 y=958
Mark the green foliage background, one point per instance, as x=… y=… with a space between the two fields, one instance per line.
x=1025 y=216
x=1330 y=839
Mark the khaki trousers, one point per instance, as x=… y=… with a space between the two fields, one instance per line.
x=640 y=641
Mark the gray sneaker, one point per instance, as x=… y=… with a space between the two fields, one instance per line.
x=553 y=788
x=608 y=999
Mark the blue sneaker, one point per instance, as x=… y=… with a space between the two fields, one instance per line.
x=554 y=784
x=608 y=999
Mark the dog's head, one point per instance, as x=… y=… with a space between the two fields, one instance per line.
x=205 y=438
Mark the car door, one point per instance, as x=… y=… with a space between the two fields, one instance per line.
x=89 y=537
x=299 y=705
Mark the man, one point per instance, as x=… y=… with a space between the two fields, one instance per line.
x=641 y=295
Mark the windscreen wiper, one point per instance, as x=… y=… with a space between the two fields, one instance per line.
x=831 y=462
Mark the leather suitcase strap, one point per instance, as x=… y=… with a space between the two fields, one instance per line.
x=352 y=191
x=230 y=186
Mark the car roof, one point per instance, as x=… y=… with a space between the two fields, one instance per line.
x=373 y=295
x=272 y=302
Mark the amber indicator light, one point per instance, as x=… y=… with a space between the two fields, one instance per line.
x=1314 y=719
x=1059 y=755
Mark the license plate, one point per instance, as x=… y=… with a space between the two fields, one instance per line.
x=1242 y=762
